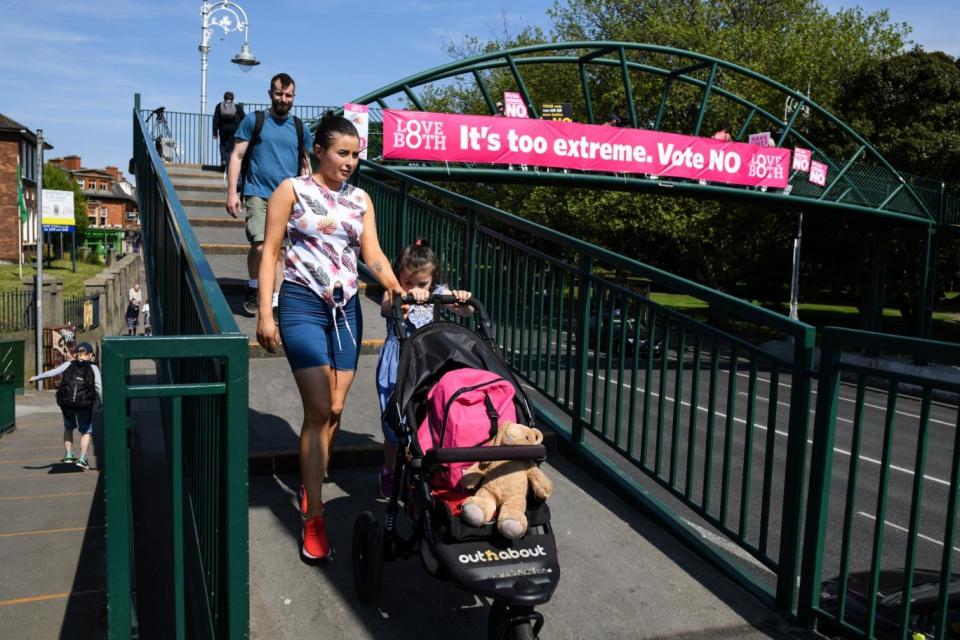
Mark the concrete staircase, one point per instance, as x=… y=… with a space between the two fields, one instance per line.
x=275 y=411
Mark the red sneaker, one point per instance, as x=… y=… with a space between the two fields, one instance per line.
x=315 y=544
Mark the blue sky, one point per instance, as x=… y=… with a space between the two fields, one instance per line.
x=71 y=68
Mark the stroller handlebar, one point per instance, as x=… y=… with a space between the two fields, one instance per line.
x=438 y=301
x=485 y=454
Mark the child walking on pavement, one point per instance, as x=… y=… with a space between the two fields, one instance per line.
x=80 y=388
x=417 y=269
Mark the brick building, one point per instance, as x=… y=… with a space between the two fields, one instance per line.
x=17 y=142
x=111 y=201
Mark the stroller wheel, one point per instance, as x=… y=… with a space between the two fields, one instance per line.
x=505 y=623
x=367 y=557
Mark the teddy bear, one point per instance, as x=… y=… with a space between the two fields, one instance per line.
x=505 y=484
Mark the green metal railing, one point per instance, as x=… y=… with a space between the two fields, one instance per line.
x=11 y=382
x=911 y=437
x=191 y=131
x=202 y=385
x=12 y=361
x=669 y=394
x=207 y=457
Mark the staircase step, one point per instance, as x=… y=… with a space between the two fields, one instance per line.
x=225 y=234
x=192 y=169
x=233 y=249
x=211 y=203
x=202 y=192
x=197 y=182
x=225 y=221
x=208 y=213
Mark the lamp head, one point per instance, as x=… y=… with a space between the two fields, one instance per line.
x=245 y=59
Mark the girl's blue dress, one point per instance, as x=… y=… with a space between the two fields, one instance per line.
x=390 y=356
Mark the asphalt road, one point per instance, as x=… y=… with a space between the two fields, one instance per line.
x=619 y=409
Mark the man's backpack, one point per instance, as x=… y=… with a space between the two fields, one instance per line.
x=78 y=387
x=259 y=118
x=228 y=110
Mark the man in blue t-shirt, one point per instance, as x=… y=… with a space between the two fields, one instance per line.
x=274 y=158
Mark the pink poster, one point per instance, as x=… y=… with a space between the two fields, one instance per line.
x=442 y=137
x=359 y=115
x=818 y=173
x=513 y=105
x=801 y=159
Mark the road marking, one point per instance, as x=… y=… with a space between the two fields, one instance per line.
x=842 y=398
x=50 y=596
x=784 y=434
x=903 y=529
x=38 y=532
x=48 y=495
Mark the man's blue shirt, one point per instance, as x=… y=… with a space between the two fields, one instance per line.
x=274 y=159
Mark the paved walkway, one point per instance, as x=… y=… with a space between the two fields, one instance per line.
x=622 y=576
x=51 y=530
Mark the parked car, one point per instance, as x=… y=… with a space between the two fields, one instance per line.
x=890 y=601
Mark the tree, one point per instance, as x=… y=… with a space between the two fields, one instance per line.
x=908 y=107
x=59 y=180
x=736 y=247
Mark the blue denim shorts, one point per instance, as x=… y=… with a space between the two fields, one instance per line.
x=312 y=335
x=79 y=419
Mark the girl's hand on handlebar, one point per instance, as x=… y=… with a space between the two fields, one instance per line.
x=460 y=295
x=420 y=295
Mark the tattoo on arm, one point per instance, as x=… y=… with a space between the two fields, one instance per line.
x=377 y=267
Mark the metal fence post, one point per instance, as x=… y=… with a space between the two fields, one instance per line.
x=470 y=249
x=582 y=351
x=792 y=508
x=117 y=492
x=821 y=461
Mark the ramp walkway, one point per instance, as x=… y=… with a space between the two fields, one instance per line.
x=623 y=577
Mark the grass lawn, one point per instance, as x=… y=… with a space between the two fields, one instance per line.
x=72 y=282
x=946 y=326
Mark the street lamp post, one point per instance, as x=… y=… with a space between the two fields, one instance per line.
x=791 y=105
x=229 y=16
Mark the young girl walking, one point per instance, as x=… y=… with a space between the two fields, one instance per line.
x=417 y=270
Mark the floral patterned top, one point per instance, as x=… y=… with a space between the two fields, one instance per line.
x=324 y=238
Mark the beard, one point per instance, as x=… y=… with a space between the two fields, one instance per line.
x=280 y=108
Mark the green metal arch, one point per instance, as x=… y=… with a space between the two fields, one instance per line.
x=861 y=181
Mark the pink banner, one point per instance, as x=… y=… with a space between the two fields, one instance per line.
x=359 y=115
x=442 y=137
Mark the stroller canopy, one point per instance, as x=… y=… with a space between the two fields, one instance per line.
x=432 y=351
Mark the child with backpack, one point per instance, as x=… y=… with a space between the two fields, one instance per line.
x=80 y=389
x=417 y=269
